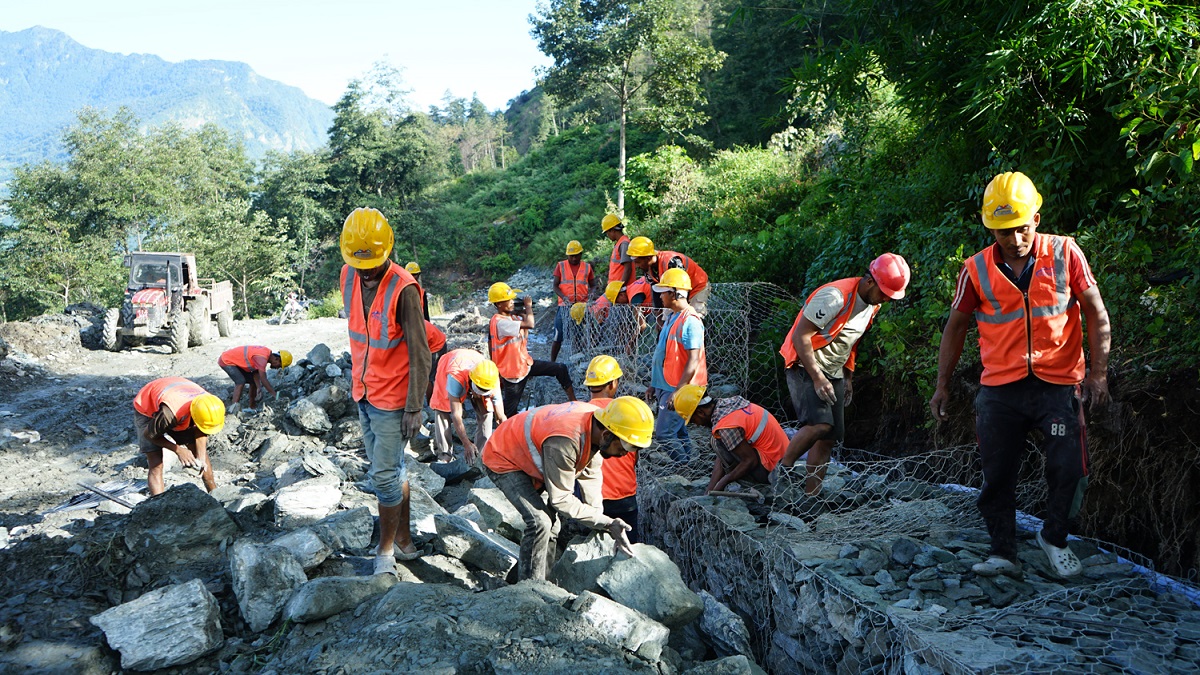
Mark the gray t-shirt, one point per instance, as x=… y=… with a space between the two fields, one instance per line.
x=821 y=310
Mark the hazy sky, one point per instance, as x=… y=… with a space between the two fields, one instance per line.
x=465 y=46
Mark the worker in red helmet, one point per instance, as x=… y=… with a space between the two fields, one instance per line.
x=819 y=353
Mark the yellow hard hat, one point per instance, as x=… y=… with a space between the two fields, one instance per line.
x=602 y=370
x=610 y=221
x=500 y=291
x=412 y=268
x=208 y=412
x=1010 y=200
x=578 y=311
x=366 y=239
x=486 y=375
x=641 y=247
x=612 y=290
x=686 y=399
x=630 y=419
x=674 y=278
x=574 y=247
x=285 y=358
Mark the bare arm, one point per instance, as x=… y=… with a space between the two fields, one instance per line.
x=690 y=367
x=953 y=338
x=747 y=457
x=1099 y=330
x=261 y=376
x=527 y=322
x=460 y=428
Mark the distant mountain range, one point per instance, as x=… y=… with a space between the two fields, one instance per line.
x=46 y=77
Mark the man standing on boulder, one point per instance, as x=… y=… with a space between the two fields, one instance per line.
x=550 y=446
x=507 y=337
x=248 y=365
x=176 y=414
x=1027 y=292
x=390 y=362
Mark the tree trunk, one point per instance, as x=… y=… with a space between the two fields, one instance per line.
x=621 y=165
x=245 y=304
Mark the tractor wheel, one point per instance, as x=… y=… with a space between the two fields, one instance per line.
x=198 y=321
x=178 y=336
x=225 y=322
x=111 y=339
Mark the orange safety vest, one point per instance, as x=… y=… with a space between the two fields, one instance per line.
x=762 y=432
x=616 y=268
x=435 y=337
x=600 y=309
x=516 y=445
x=455 y=365
x=510 y=354
x=643 y=287
x=676 y=355
x=176 y=392
x=849 y=289
x=378 y=350
x=243 y=357
x=620 y=473
x=574 y=286
x=1038 y=332
x=694 y=271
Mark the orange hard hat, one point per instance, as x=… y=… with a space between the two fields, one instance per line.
x=891 y=275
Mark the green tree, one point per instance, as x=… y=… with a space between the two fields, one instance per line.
x=290 y=189
x=646 y=56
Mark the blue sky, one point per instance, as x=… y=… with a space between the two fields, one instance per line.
x=465 y=46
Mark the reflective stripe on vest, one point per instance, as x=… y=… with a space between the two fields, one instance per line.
x=696 y=273
x=571 y=285
x=676 y=356
x=510 y=353
x=176 y=392
x=230 y=356
x=616 y=268
x=767 y=437
x=385 y=341
x=515 y=445
x=534 y=453
x=378 y=349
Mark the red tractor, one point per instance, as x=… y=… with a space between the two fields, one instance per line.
x=165 y=298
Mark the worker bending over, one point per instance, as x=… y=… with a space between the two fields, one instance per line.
x=654 y=264
x=508 y=335
x=1026 y=293
x=679 y=359
x=176 y=414
x=465 y=375
x=573 y=282
x=747 y=438
x=819 y=354
x=551 y=447
x=619 y=489
x=248 y=365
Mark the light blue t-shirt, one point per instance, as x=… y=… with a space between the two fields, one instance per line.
x=456 y=391
x=693 y=338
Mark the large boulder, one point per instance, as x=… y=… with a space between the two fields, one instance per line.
x=324 y=597
x=165 y=627
x=306 y=502
x=420 y=474
x=730 y=665
x=498 y=513
x=650 y=583
x=308 y=548
x=309 y=416
x=182 y=524
x=585 y=559
x=462 y=539
x=320 y=355
x=263 y=577
x=334 y=400
x=725 y=630
x=276 y=449
x=346 y=530
x=623 y=626
x=423 y=510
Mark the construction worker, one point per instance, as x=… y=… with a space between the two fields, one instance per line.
x=655 y=263
x=176 y=414
x=679 y=359
x=620 y=265
x=551 y=446
x=249 y=364
x=507 y=337
x=415 y=270
x=619 y=488
x=641 y=293
x=1026 y=293
x=390 y=360
x=573 y=281
x=747 y=438
x=819 y=353
x=465 y=374
x=437 y=349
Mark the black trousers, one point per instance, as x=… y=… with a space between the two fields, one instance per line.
x=627 y=510
x=1004 y=416
x=512 y=391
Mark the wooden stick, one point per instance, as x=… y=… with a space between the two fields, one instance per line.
x=747 y=494
x=107 y=495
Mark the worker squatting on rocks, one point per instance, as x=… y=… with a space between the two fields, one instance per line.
x=465 y=375
x=507 y=338
x=176 y=414
x=1026 y=293
x=248 y=365
x=619 y=489
x=819 y=353
x=654 y=264
x=679 y=359
x=551 y=447
x=390 y=360
x=748 y=440
x=573 y=283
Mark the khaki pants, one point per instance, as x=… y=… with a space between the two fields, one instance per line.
x=540 y=542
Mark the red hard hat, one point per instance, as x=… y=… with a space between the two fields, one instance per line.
x=891 y=274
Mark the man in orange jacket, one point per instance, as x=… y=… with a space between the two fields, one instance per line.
x=390 y=361
x=819 y=353
x=603 y=379
x=508 y=333
x=1026 y=293
x=573 y=282
x=248 y=365
x=748 y=440
x=176 y=414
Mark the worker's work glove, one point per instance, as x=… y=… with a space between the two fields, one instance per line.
x=618 y=529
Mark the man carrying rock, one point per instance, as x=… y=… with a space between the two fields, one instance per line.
x=619 y=488
x=462 y=375
x=1026 y=293
x=390 y=360
x=176 y=414
x=551 y=446
x=507 y=338
x=747 y=438
x=248 y=365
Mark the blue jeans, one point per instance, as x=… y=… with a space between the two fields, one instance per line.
x=670 y=428
x=383 y=436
